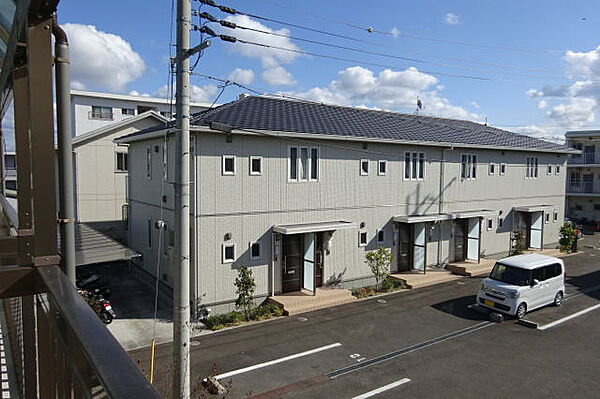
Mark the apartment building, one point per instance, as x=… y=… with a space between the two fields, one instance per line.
x=300 y=192
x=583 y=176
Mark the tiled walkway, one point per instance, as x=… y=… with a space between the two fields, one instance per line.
x=3 y=369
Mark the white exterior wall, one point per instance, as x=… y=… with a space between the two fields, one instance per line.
x=249 y=206
x=583 y=201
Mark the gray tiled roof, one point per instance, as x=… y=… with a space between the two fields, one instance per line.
x=284 y=115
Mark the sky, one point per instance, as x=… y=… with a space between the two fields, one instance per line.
x=529 y=66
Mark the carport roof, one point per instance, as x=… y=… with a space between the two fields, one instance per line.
x=92 y=247
x=312 y=227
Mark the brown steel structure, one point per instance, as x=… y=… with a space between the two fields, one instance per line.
x=58 y=346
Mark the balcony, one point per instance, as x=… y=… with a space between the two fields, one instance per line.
x=584 y=159
x=582 y=189
x=101 y=116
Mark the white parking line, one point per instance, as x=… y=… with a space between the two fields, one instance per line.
x=382 y=389
x=280 y=360
x=577 y=314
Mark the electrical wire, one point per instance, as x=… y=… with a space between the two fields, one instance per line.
x=368 y=52
x=416 y=37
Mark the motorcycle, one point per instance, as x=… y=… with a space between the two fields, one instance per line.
x=100 y=305
x=93 y=283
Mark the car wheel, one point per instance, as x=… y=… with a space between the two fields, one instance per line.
x=558 y=298
x=521 y=310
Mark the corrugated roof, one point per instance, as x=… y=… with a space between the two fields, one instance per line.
x=284 y=115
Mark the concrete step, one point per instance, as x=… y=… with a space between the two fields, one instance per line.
x=414 y=281
x=471 y=268
x=301 y=302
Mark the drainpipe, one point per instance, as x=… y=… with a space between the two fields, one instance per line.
x=66 y=213
x=440 y=207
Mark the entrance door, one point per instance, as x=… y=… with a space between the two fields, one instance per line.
x=460 y=238
x=404 y=247
x=536 y=226
x=473 y=239
x=319 y=260
x=419 y=246
x=308 y=281
x=292 y=262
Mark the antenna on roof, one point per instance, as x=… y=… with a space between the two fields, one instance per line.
x=419 y=105
x=485 y=124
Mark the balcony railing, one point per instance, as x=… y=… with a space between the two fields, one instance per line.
x=582 y=188
x=584 y=159
x=104 y=116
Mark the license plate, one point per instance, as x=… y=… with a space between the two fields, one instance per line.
x=488 y=303
x=108 y=307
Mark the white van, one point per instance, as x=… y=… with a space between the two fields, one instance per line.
x=522 y=283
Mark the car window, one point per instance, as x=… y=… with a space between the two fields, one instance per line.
x=556 y=270
x=540 y=273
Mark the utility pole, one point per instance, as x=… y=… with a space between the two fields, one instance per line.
x=181 y=304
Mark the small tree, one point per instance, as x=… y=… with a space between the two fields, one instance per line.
x=245 y=289
x=568 y=237
x=379 y=263
x=518 y=243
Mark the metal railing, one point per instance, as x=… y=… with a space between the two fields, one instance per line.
x=76 y=354
x=582 y=188
x=104 y=116
x=583 y=159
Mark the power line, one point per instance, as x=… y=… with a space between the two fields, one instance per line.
x=345 y=37
x=416 y=37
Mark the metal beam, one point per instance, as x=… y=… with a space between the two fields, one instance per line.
x=39 y=54
x=17 y=281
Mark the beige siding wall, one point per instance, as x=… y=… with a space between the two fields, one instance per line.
x=249 y=206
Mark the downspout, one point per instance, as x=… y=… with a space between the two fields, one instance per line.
x=441 y=207
x=66 y=213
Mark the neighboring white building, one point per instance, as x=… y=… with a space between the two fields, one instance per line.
x=10 y=173
x=300 y=191
x=101 y=166
x=583 y=180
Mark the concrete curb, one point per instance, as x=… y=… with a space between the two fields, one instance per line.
x=527 y=323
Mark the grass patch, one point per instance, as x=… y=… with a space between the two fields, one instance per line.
x=388 y=285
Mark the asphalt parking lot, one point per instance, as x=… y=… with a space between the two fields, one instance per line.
x=423 y=343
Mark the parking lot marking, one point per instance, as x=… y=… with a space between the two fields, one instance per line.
x=408 y=349
x=382 y=389
x=276 y=361
x=574 y=315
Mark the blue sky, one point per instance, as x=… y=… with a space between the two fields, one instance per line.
x=542 y=56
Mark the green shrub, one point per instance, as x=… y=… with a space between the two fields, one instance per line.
x=266 y=311
x=219 y=321
x=363 y=292
x=392 y=284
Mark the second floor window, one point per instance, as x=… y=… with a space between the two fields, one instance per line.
x=531 y=169
x=122 y=162
x=101 y=112
x=468 y=166
x=414 y=165
x=128 y=111
x=303 y=164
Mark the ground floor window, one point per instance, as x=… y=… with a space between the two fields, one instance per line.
x=255 y=250
x=362 y=238
x=228 y=253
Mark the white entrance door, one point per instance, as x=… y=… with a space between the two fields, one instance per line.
x=473 y=239
x=309 y=262
x=535 y=230
x=419 y=247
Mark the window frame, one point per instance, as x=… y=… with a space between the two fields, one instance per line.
x=224 y=158
x=555 y=216
x=224 y=246
x=500 y=222
x=101 y=115
x=502 y=170
x=547 y=217
x=492 y=169
x=125 y=111
x=362 y=171
x=125 y=155
x=250 y=165
x=382 y=240
x=490 y=224
x=557 y=169
x=260 y=252
x=384 y=163
x=310 y=176
x=549 y=169
x=468 y=166
x=415 y=165
x=532 y=167
x=360 y=235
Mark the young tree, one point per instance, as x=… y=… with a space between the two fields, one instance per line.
x=568 y=237
x=379 y=262
x=245 y=289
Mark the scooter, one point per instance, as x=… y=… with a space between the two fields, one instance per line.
x=93 y=283
x=101 y=306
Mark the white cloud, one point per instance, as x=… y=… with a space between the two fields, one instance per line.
x=577 y=109
x=100 y=60
x=395 y=32
x=549 y=133
x=542 y=104
x=242 y=76
x=268 y=56
x=451 y=19
x=583 y=63
x=278 y=76
x=474 y=104
x=197 y=93
x=392 y=90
